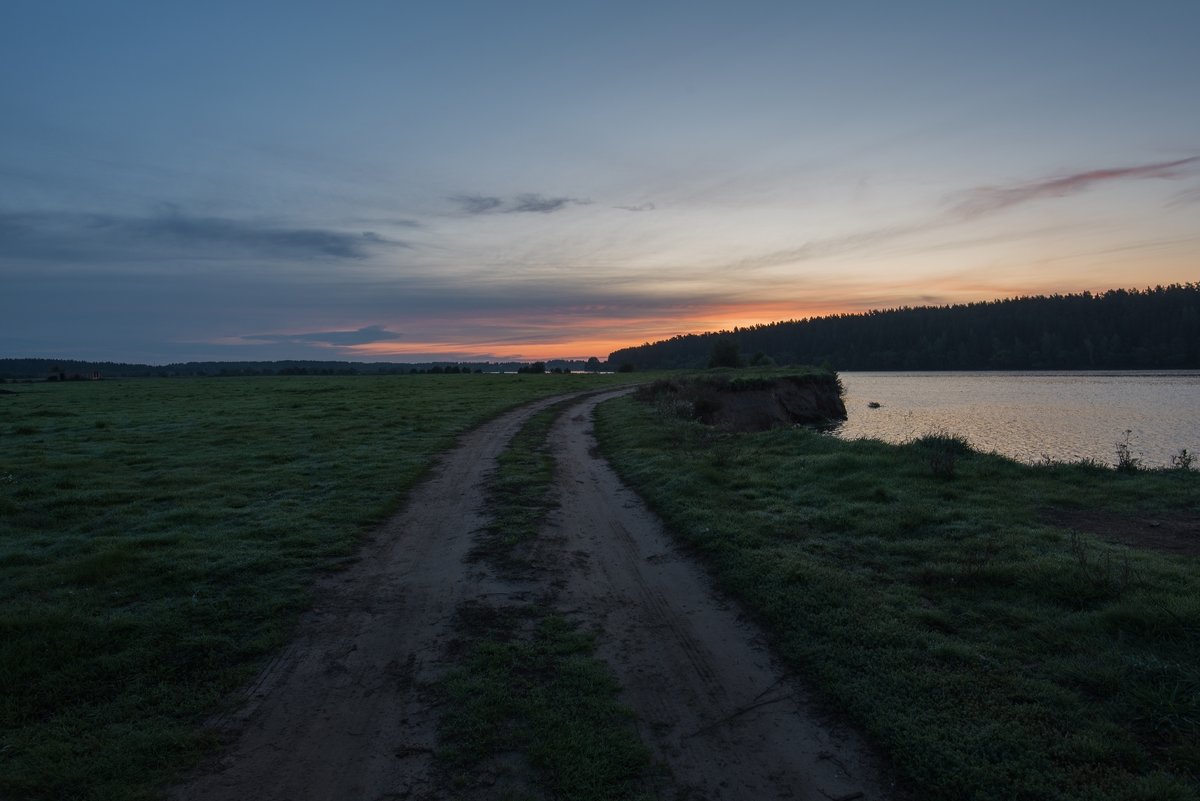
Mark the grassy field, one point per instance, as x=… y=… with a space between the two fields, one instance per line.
x=925 y=591
x=158 y=538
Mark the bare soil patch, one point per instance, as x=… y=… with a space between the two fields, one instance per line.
x=1173 y=533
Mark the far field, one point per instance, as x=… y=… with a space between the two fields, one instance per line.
x=1000 y=631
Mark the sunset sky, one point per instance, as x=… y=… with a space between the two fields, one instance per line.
x=410 y=181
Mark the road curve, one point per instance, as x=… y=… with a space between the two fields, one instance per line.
x=712 y=702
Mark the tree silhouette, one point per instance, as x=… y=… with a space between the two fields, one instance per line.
x=725 y=353
x=1120 y=329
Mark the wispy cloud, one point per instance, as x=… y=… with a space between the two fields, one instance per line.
x=527 y=203
x=989 y=199
x=477 y=204
x=639 y=207
x=360 y=336
x=178 y=228
x=836 y=245
x=1186 y=197
x=542 y=204
x=971 y=205
x=394 y=222
x=55 y=234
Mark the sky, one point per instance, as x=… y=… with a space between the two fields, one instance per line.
x=403 y=181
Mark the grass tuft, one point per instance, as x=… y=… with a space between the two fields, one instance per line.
x=539 y=698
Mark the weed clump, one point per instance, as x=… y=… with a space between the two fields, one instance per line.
x=1126 y=461
x=1183 y=460
x=942 y=451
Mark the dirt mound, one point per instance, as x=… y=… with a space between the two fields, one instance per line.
x=752 y=404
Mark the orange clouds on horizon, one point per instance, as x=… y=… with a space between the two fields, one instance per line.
x=565 y=335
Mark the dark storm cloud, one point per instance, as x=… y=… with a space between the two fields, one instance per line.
x=361 y=336
x=988 y=199
x=527 y=203
x=51 y=235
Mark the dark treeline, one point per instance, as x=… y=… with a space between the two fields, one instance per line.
x=1120 y=329
x=76 y=370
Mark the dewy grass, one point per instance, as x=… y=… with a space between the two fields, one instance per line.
x=530 y=707
x=158 y=538
x=519 y=491
x=539 y=698
x=991 y=654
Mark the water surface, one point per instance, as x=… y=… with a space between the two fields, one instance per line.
x=1031 y=416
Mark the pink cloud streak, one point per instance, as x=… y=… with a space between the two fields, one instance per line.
x=988 y=199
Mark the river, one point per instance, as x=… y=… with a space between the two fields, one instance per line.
x=1033 y=416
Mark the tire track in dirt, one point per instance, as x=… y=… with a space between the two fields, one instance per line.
x=341 y=713
x=712 y=702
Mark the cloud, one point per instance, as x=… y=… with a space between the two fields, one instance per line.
x=989 y=199
x=477 y=204
x=527 y=203
x=973 y=204
x=1186 y=197
x=178 y=228
x=361 y=336
x=641 y=207
x=14 y=227
x=59 y=234
x=395 y=222
x=544 y=205
x=41 y=235
x=835 y=245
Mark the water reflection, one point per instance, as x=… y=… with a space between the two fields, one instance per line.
x=1064 y=416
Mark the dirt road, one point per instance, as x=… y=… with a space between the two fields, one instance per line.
x=342 y=714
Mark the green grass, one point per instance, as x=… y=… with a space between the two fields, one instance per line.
x=519 y=496
x=990 y=654
x=529 y=693
x=158 y=539
x=530 y=708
